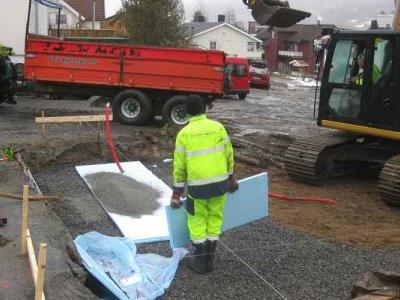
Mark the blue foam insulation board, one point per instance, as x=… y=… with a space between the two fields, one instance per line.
x=248 y=204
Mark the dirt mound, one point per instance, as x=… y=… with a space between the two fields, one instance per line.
x=123 y=195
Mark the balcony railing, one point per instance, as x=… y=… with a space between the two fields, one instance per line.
x=294 y=54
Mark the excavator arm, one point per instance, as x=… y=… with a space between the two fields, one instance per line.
x=275 y=13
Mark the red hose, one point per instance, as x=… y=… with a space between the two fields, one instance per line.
x=109 y=139
x=303 y=199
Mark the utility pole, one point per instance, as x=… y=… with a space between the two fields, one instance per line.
x=396 y=17
x=94 y=15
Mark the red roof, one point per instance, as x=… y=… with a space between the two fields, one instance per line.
x=85 y=8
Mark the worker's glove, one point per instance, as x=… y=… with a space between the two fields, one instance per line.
x=176 y=198
x=233 y=184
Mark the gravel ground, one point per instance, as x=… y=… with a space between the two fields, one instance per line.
x=78 y=209
x=299 y=266
x=123 y=195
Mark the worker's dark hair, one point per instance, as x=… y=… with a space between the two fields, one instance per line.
x=195 y=105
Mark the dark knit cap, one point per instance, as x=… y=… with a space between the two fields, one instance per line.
x=195 y=105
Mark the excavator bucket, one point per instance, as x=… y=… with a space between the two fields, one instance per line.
x=275 y=13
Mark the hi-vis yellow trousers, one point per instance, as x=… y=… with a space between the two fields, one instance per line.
x=207 y=220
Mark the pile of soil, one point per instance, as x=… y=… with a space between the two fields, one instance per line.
x=123 y=195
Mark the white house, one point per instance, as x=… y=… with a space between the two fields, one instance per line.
x=224 y=37
x=385 y=20
x=69 y=17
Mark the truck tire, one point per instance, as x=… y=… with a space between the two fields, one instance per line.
x=242 y=96
x=174 y=111
x=132 y=107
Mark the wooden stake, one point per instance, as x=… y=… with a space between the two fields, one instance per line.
x=32 y=260
x=43 y=129
x=24 y=216
x=98 y=131
x=31 y=256
x=41 y=272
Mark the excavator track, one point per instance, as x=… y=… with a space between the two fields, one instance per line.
x=310 y=160
x=389 y=182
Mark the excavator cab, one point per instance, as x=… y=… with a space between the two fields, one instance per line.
x=360 y=86
x=360 y=96
x=275 y=13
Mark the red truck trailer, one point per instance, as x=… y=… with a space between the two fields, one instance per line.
x=143 y=82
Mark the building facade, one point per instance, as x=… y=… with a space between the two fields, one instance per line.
x=294 y=46
x=69 y=17
x=223 y=37
x=116 y=23
x=93 y=12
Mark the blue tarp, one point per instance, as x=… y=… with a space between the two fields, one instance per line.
x=128 y=275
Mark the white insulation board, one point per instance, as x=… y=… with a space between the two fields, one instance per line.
x=147 y=228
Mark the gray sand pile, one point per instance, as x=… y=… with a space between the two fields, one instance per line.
x=123 y=195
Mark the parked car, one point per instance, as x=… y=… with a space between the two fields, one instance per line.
x=237 y=80
x=259 y=74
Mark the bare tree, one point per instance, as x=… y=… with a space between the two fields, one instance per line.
x=201 y=12
x=198 y=16
x=230 y=16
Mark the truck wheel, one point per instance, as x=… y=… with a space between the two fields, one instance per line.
x=132 y=107
x=242 y=96
x=174 y=111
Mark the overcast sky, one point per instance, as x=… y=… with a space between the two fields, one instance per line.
x=340 y=12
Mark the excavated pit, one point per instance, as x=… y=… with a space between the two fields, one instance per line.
x=53 y=167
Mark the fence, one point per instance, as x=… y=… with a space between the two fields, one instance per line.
x=43 y=15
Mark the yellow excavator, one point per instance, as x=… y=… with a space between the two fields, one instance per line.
x=360 y=96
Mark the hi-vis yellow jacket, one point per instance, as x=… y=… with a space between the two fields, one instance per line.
x=203 y=158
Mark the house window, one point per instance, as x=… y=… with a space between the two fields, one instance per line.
x=63 y=19
x=213 y=45
x=251 y=46
x=53 y=19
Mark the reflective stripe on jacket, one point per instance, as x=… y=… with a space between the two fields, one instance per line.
x=203 y=158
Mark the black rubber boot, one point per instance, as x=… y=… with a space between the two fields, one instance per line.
x=211 y=246
x=197 y=262
x=11 y=101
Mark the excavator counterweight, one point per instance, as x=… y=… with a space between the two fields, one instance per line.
x=275 y=13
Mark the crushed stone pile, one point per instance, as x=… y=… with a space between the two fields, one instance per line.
x=123 y=195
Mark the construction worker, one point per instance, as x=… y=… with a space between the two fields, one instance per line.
x=7 y=76
x=359 y=78
x=203 y=170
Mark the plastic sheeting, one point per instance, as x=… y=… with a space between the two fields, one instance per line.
x=115 y=263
